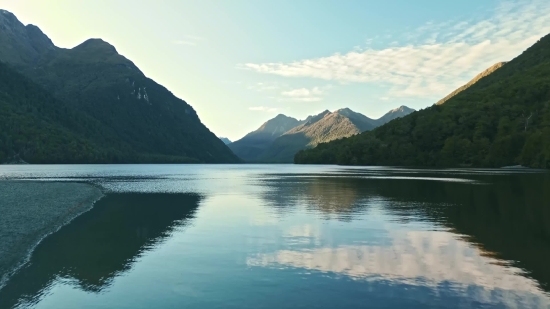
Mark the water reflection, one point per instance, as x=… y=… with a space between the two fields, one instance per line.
x=334 y=197
x=101 y=244
x=426 y=259
x=493 y=235
x=315 y=237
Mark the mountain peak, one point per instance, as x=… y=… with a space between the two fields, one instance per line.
x=345 y=111
x=38 y=39
x=97 y=44
x=402 y=108
x=10 y=24
x=315 y=118
x=398 y=112
x=26 y=43
x=7 y=14
x=278 y=125
x=281 y=116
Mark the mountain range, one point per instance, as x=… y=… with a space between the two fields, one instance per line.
x=280 y=138
x=89 y=104
x=500 y=118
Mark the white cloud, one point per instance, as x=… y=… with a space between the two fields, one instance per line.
x=450 y=54
x=263 y=109
x=306 y=95
x=303 y=92
x=262 y=87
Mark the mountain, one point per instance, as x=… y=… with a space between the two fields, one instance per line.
x=401 y=111
x=225 y=140
x=323 y=128
x=502 y=119
x=36 y=127
x=92 y=78
x=481 y=75
x=250 y=147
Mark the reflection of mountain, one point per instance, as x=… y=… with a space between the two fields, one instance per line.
x=101 y=244
x=330 y=196
x=507 y=217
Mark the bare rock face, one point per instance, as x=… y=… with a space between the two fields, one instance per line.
x=324 y=127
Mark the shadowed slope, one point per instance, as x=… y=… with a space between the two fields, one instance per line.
x=94 y=79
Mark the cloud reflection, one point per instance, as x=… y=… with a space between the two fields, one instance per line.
x=420 y=258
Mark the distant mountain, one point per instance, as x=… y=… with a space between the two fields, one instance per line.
x=323 y=128
x=501 y=118
x=393 y=114
x=225 y=140
x=250 y=147
x=481 y=75
x=131 y=110
x=341 y=123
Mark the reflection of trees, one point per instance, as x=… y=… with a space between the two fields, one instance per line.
x=329 y=196
x=507 y=215
x=512 y=218
x=334 y=196
x=101 y=244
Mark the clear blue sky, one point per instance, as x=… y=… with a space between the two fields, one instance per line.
x=239 y=63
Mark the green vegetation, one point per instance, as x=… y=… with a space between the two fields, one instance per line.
x=503 y=119
x=37 y=128
x=96 y=80
x=507 y=217
x=90 y=104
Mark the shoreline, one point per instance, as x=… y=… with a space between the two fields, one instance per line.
x=31 y=211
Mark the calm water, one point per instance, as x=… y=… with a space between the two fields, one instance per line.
x=283 y=236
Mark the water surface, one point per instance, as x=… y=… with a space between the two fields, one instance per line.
x=284 y=236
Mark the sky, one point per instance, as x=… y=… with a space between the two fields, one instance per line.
x=242 y=62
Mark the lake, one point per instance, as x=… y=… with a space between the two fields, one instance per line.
x=285 y=236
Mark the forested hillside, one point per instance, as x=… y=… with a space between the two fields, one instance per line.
x=117 y=100
x=35 y=127
x=503 y=119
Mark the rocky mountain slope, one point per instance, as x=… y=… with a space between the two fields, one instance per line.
x=395 y=113
x=280 y=138
x=252 y=145
x=323 y=128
